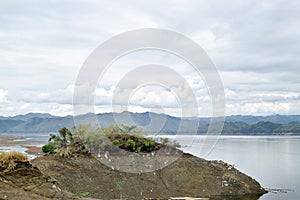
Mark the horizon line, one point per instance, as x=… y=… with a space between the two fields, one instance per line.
x=45 y=113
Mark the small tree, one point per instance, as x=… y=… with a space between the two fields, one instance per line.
x=65 y=143
x=63 y=139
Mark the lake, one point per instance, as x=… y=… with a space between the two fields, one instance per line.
x=274 y=161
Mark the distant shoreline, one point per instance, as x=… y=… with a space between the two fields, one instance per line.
x=233 y=125
x=19 y=142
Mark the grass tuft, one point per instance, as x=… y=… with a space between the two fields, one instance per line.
x=8 y=160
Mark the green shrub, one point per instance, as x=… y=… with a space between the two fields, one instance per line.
x=48 y=148
x=130 y=145
x=66 y=144
x=85 y=139
x=117 y=142
x=84 y=194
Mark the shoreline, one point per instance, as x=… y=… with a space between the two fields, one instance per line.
x=12 y=141
x=19 y=143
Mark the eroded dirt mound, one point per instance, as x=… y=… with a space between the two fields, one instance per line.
x=187 y=176
x=28 y=182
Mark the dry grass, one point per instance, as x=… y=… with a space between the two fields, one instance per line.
x=8 y=160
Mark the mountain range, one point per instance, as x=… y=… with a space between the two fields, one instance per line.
x=155 y=123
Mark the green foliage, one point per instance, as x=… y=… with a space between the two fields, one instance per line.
x=133 y=143
x=84 y=194
x=95 y=140
x=121 y=136
x=119 y=185
x=130 y=145
x=63 y=139
x=49 y=148
x=9 y=160
x=65 y=144
x=117 y=143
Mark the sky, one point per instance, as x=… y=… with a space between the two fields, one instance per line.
x=255 y=46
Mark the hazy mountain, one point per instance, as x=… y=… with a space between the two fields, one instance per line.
x=249 y=119
x=29 y=116
x=33 y=115
x=7 y=124
x=152 y=122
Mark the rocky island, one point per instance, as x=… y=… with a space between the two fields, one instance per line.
x=83 y=176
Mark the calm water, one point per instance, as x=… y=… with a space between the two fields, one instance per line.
x=36 y=139
x=32 y=138
x=274 y=161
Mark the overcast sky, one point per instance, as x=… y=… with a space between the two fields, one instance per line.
x=254 y=44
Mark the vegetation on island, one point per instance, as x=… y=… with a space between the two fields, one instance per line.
x=10 y=160
x=49 y=177
x=65 y=144
x=85 y=139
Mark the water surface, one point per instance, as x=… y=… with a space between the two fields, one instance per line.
x=274 y=161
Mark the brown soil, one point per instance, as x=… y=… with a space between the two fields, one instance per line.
x=54 y=177
x=27 y=182
x=188 y=176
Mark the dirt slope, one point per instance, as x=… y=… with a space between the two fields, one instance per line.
x=187 y=176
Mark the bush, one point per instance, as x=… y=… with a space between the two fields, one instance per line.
x=130 y=145
x=9 y=160
x=48 y=148
x=117 y=143
x=65 y=144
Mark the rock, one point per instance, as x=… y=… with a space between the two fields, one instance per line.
x=28 y=182
x=187 y=176
x=85 y=177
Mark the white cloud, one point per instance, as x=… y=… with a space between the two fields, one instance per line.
x=3 y=95
x=267 y=108
x=153 y=97
x=255 y=46
x=61 y=96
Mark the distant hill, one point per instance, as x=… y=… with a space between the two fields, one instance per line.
x=155 y=123
x=249 y=119
x=7 y=124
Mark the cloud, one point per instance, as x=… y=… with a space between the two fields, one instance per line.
x=255 y=46
x=61 y=96
x=3 y=95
